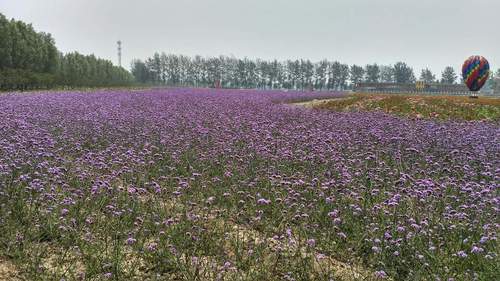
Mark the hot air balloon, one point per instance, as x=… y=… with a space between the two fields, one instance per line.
x=475 y=72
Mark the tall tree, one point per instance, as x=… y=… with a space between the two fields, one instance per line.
x=275 y=74
x=357 y=74
x=448 y=76
x=293 y=70
x=321 y=74
x=155 y=67
x=307 y=69
x=403 y=73
x=496 y=81
x=427 y=76
x=372 y=73
x=5 y=43
x=334 y=75
x=140 y=71
x=387 y=73
x=344 y=76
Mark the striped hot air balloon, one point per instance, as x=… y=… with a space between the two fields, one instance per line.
x=475 y=72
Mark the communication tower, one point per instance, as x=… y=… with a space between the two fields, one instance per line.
x=119 y=52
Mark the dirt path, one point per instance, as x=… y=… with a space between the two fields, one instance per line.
x=316 y=102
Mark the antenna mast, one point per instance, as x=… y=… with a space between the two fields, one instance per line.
x=119 y=52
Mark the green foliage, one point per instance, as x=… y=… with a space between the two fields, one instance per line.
x=495 y=79
x=403 y=73
x=372 y=73
x=449 y=76
x=427 y=76
x=300 y=74
x=21 y=79
x=387 y=74
x=82 y=71
x=357 y=74
x=30 y=60
x=140 y=71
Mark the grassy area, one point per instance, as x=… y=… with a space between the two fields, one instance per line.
x=438 y=107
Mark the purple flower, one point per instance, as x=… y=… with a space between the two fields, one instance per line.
x=400 y=182
x=342 y=235
x=131 y=241
x=476 y=250
x=152 y=246
x=194 y=260
x=263 y=201
x=461 y=254
x=311 y=243
x=320 y=256
x=227 y=264
x=381 y=274
x=333 y=214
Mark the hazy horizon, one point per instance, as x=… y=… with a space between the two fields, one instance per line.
x=421 y=33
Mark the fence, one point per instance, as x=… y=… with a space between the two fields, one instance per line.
x=420 y=88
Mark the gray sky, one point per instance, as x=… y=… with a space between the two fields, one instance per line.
x=424 y=33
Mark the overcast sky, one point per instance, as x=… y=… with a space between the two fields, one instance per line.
x=424 y=33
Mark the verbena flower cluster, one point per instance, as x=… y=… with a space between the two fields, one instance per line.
x=224 y=184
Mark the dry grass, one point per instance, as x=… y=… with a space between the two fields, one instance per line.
x=316 y=102
x=8 y=271
x=435 y=107
x=322 y=265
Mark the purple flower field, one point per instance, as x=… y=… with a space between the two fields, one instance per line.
x=186 y=184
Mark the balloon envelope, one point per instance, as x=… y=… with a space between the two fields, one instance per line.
x=475 y=72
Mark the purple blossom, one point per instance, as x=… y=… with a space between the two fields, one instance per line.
x=376 y=249
x=461 y=254
x=381 y=274
x=131 y=241
x=342 y=235
x=311 y=243
x=263 y=201
x=476 y=250
x=398 y=183
x=333 y=214
x=152 y=246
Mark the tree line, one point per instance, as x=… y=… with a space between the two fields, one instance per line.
x=197 y=71
x=495 y=81
x=30 y=60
